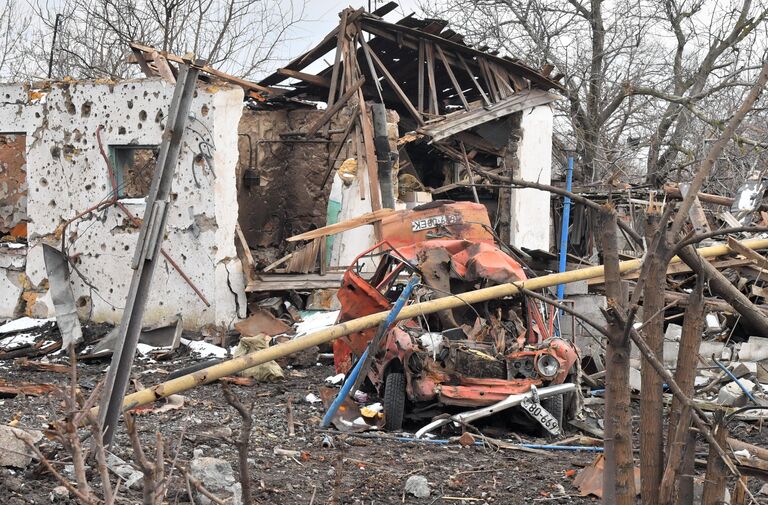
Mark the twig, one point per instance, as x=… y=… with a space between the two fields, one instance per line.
x=243 y=440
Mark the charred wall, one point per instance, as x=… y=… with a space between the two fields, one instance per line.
x=279 y=181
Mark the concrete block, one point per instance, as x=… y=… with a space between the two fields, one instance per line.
x=673 y=332
x=743 y=368
x=709 y=348
x=576 y=288
x=634 y=379
x=731 y=394
x=15 y=452
x=754 y=349
x=671 y=350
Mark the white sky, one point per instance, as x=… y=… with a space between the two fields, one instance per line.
x=322 y=16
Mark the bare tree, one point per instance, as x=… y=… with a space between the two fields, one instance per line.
x=237 y=36
x=13 y=26
x=645 y=80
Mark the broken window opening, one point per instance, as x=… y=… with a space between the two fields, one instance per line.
x=134 y=167
x=13 y=186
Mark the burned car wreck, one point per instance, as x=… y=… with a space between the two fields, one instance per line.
x=470 y=357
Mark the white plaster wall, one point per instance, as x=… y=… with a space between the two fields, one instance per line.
x=530 y=213
x=349 y=244
x=67 y=174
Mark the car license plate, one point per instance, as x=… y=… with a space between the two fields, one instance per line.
x=541 y=415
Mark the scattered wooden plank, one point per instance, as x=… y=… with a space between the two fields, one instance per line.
x=39 y=366
x=284 y=282
x=24 y=388
x=333 y=229
x=277 y=263
x=679 y=268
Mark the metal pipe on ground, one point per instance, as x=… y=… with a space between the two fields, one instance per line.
x=331 y=333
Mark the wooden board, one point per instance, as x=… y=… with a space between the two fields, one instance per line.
x=332 y=229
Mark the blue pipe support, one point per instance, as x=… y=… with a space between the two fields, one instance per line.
x=564 y=227
x=737 y=381
x=389 y=321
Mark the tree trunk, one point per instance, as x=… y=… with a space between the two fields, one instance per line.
x=619 y=476
x=714 y=481
x=651 y=396
x=678 y=435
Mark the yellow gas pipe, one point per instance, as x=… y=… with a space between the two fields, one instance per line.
x=331 y=333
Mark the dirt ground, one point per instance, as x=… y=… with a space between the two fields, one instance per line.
x=354 y=471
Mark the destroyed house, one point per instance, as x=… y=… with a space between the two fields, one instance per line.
x=412 y=114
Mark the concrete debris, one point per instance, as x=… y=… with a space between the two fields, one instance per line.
x=59 y=494
x=731 y=395
x=15 y=443
x=323 y=299
x=418 y=486
x=754 y=349
x=217 y=476
x=130 y=476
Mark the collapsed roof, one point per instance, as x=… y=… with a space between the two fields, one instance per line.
x=419 y=67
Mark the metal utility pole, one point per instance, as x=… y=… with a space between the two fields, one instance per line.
x=53 y=44
x=147 y=249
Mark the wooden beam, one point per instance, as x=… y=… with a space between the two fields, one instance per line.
x=139 y=55
x=333 y=229
x=502 y=77
x=370 y=24
x=315 y=53
x=433 y=108
x=748 y=253
x=494 y=92
x=367 y=54
x=317 y=80
x=336 y=107
x=421 y=77
x=337 y=60
x=249 y=85
x=679 y=268
x=371 y=164
x=392 y=82
x=474 y=79
x=449 y=71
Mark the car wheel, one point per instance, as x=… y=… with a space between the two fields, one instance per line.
x=394 y=401
x=555 y=406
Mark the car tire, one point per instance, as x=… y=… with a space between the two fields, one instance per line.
x=394 y=401
x=555 y=405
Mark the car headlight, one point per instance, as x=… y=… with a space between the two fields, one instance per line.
x=547 y=365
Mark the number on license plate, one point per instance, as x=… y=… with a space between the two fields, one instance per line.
x=541 y=415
